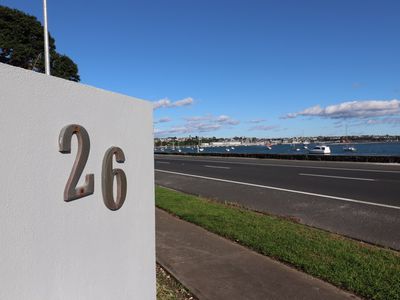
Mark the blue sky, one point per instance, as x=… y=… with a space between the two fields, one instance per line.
x=232 y=68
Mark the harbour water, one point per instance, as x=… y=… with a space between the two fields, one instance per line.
x=370 y=149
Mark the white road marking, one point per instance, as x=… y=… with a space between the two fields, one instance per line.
x=163 y=162
x=216 y=167
x=281 y=189
x=281 y=165
x=338 y=177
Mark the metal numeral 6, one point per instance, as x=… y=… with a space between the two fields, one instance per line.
x=71 y=191
x=107 y=179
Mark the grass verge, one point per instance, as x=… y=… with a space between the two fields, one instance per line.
x=168 y=288
x=366 y=270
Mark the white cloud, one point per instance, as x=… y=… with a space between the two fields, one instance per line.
x=205 y=127
x=168 y=103
x=390 y=121
x=224 y=119
x=257 y=121
x=162 y=120
x=199 y=118
x=221 y=119
x=183 y=102
x=170 y=131
x=352 y=110
x=357 y=85
x=199 y=124
x=161 y=103
x=263 y=128
x=187 y=129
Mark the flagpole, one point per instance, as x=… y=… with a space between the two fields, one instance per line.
x=46 y=40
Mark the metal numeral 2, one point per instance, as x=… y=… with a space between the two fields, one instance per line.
x=71 y=191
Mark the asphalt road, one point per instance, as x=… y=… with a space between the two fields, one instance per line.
x=358 y=200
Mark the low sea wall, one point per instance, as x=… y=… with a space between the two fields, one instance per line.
x=350 y=158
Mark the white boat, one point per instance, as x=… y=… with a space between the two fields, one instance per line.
x=227 y=149
x=349 y=149
x=322 y=149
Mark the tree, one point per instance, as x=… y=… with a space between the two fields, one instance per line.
x=22 y=45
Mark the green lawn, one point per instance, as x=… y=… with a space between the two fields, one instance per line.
x=366 y=270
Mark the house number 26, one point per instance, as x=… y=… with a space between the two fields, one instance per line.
x=74 y=192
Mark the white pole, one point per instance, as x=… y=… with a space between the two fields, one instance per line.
x=46 y=40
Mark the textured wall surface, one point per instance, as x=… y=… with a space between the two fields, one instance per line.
x=52 y=249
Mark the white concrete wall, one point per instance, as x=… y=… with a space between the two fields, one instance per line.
x=51 y=249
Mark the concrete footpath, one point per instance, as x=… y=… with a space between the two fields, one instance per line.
x=212 y=267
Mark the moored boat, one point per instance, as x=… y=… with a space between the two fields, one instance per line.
x=322 y=149
x=349 y=149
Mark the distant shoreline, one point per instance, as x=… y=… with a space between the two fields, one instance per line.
x=371 y=142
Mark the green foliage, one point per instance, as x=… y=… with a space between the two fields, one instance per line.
x=366 y=270
x=22 y=45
